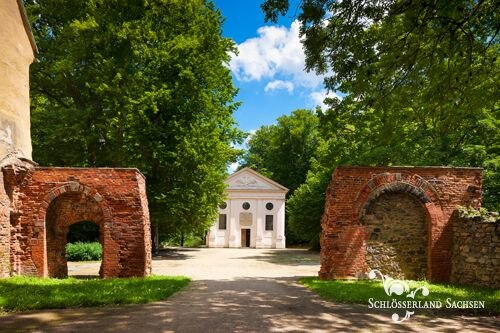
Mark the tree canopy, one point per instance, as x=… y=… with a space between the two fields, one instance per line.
x=138 y=84
x=283 y=151
x=420 y=81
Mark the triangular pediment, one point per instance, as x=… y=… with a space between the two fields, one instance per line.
x=248 y=179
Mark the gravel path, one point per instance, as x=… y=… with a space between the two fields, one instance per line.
x=235 y=290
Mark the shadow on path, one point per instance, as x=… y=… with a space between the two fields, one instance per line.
x=175 y=254
x=238 y=305
x=289 y=257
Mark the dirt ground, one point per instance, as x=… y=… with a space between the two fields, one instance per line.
x=234 y=290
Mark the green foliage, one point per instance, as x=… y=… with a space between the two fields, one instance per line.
x=190 y=239
x=80 y=251
x=306 y=206
x=25 y=293
x=471 y=212
x=491 y=182
x=478 y=215
x=138 y=84
x=420 y=81
x=84 y=231
x=359 y=291
x=283 y=153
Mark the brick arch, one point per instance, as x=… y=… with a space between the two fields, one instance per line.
x=439 y=189
x=398 y=182
x=119 y=193
x=431 y=203
x=410 y=184
x=95 y=210
x=401 y=182
x=396 y=231
x=73 y=187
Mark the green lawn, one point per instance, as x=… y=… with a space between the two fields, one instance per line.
x=359 y=291
x=24 y=293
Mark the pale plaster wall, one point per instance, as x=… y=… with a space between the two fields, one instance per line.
x=16 y=55
x=259 y=237
x=249 y=186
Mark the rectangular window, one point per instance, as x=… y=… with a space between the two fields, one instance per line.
x=269 y=222
x=222 y=221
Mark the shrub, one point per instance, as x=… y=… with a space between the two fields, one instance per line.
x=80 y=251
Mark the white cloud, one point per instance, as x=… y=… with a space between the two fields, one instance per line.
x=318 y=97
x=250 y=134
x=276 y=54
x=279 y=84
x=244 y=144
x=233 y=167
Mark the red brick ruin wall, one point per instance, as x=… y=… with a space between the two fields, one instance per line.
x=49 y=200
x=4 y=231
x=375 y=215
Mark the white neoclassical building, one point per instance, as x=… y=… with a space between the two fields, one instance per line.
x=253 y=214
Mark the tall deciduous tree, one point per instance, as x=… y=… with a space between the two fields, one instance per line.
x=283 y=151
x=421 y=86
x=141 y=84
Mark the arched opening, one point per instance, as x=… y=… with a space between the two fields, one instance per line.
x=83 y=231
x=64 y=211
x=397 y=235
x=83 y=248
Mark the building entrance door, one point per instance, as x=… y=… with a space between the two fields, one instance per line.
x=245 y=237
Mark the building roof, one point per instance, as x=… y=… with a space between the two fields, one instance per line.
x=27 y=26
x=248 y=179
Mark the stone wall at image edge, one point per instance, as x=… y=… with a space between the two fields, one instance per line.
x=476 y=250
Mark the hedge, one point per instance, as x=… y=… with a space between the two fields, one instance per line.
x=80 y=251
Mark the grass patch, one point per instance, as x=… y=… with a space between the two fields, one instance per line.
x=27 y=293
x=359 y=291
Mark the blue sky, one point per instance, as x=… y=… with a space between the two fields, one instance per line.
x=269 y=69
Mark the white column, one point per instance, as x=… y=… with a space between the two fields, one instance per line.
x=234 y=238
x=212 y=235
x=280 y=226
x=259 y=224
x=228 y=224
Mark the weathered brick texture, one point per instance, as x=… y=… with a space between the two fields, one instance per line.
x=49 y=200
x=4 y=231
x=354 y=190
